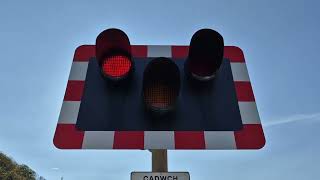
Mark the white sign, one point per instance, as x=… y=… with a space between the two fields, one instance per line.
x=160 y=176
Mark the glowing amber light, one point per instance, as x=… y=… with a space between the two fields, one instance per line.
x=159 y=96
x=116 y=66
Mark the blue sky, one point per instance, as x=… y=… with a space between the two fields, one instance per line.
x=280 y=42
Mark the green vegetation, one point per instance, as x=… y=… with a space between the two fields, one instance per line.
x=10 y=170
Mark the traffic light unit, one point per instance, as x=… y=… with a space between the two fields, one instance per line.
x=122 y=96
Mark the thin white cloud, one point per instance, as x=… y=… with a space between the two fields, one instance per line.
x=55 y=168
x=291 y=119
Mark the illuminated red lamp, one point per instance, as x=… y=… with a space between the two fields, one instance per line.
x=161 y=85
x=113 y=53
x=205 y=55
x=116 y=66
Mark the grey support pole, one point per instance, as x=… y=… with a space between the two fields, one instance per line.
x=159 y=160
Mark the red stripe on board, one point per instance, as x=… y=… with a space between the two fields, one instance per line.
x=139 y=51
x=244 y=91
x=180 y=51
x=84 y=53
x=250 y=137
x=233 y=53
x=128 y=140
x=74 y=91
x=67 y=137
x=189 y=140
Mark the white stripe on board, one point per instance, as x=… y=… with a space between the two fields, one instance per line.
x=220 y=140
x=98 y=140
x=249 y=113
x=159 y=140
x=78 y=71
x=239 y=72
x=69 y=112
x=159 y=51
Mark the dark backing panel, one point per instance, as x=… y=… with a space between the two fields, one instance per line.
x=105 y=107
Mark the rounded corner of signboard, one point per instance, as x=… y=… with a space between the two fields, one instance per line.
x=84 y=52
x=235 y=53
x=66 y=138
x=263 y=144
x=63 y=147
x=56 y=144
x=258 y=146
x=188 y=174
x=236 y=48
x=131 y=174
x=81 y=47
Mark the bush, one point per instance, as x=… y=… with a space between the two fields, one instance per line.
x=10 y=170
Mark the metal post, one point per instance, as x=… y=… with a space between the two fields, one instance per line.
x=159 y=160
